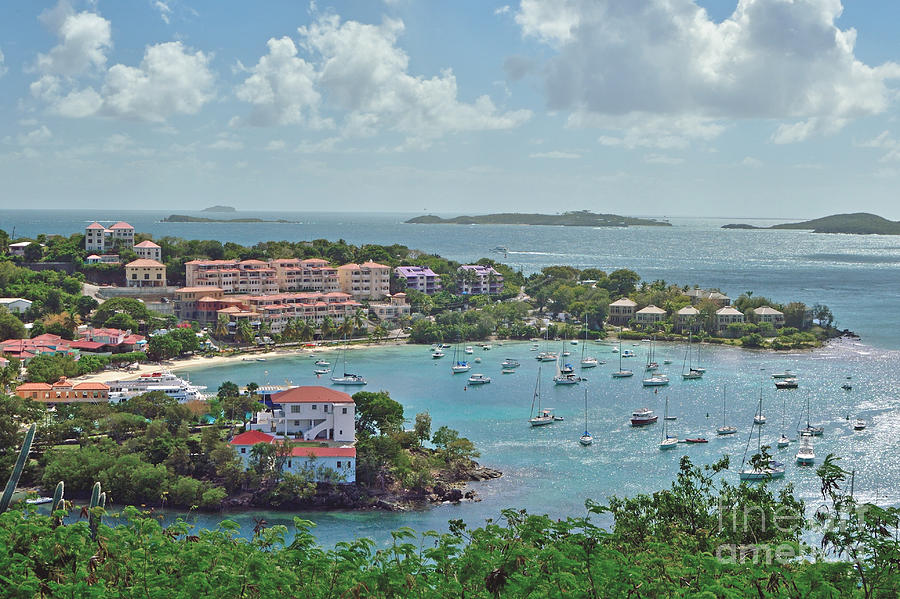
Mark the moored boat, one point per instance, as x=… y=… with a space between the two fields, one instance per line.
x=479 y=379
x=643 y=417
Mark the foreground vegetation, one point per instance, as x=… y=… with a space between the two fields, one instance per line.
x=696 y=539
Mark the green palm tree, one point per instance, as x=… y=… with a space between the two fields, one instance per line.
x=346 y=328
x=327 y=327
x=359 y=318
x=306 y=332
x=221 y=326
x=244 y=332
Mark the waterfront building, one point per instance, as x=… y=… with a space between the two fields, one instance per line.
x=46 y=343
x=726 y=316
x=419 y=278
x=149 y=250
x=102 y=259
x=64 y=391
x=396 y=307
x=687 y=319
x=145 y=273
x=650 y=315
x=770 y=315
x=98 y=238
x=309 y=413
x=279 y=309
x=341 y=461
x=108 y=340
x=368 y=280
x=475 y=279
x=312 y=274
x=16 y=305
x=718 y=298
x=621 y=312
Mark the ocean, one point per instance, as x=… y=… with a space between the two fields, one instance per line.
x=546 y=470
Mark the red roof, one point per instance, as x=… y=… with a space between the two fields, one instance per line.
x=121 y=225
x=88 y=345
x=146 y=244
x=324 y=452
x=311 y=394
x=252 y=438
x=33 y=387
x=143 y=262
x=91 y=387
x=95 y=225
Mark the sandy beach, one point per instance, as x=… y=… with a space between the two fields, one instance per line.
x=205 y=362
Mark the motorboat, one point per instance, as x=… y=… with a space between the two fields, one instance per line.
x=787 y=374
x=846 y=386
x=479 y=379
x=643 y=417
x=546 y=356
x=486 y=347
x=696 y=440
x=508 y=371
x=789 y=383
x=509 y=363
x=321 y=371
x=783 y=441
x=859 y=424
x=469 y=350
x=805 y=454
x=628 y=353
x=322 y=363
x=437 y=354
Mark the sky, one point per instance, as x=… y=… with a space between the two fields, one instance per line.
x=744 y=108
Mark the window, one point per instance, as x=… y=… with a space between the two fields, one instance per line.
x=133 y=275
x=325 y=408
x=295 y=409
x=243 y=450
x=339 y=464
x=314 y=406
x=343 y=410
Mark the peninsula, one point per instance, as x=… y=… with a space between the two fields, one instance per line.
x=857 y=223
x=181 y=218
x=580 y=218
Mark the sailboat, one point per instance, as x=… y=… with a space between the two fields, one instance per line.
x=763 y=472
x=668 y=441
x=651 y=364
x=565 y=375
x=698 y=368
x=783 y=441
x=589 y=361
x=544 y=415
x=725 y=429
x=348 y=378
x=759 y=418
x=459 y=366
x=620 y=374
x=692 y=374
x=586 y=438
x=813 y=431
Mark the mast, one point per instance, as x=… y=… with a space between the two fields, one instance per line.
x=666 y=420
x=723 y=405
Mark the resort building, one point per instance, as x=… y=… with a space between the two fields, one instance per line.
x=185 y=303
x=368 y=280
x=98 y=238
x=63 y=391
x=309 y=413
x=312 y=274
x=718 y=298
x=393 y=309
x=149 y=250
x=16 y=305
x=108 y=340
x=145 y=273
x=279 y=309
x=621 y=312
x=102 y=259
x=475 y=279
x=649 y=315
x=25 y=349
x=770 y=315
x=687 y=320
x=340 y=461
x=726 y=316
x=419 y=278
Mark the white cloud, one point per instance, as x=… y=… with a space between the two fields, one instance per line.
x=3 y=68
x=771 y=59
x=884 y=141
x=751 y=162
x=555 y=154
x=84 y=39
x=358 y=69
x=276 y=145
x=164 y=10
x=502 y=10
x=662 y=159
x=281 y=87
x=226 y=144
x=35 y=137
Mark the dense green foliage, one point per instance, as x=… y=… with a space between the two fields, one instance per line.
x=695 y=539
x=50 y=291
x=48 y=368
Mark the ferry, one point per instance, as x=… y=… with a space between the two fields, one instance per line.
x=165 y=381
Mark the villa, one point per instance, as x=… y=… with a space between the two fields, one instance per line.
x=396 y=307
x=726 y=316
x=309 y=413
x=16 y=305
x=148 y=250
x=340 y=460
x=475 y=279
x=621 y=312
x=98 y=238
x=419 y=278
x=770 y=315
x=63 y=391
x=18 y=248
x=145 y=273
x=687 y=319
x=716 y=297
x=650 y=315
x=25 y=349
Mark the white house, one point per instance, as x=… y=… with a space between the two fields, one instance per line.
x=98 y=238
x=726 y=316
x=18 y=248
x=149 y=250
x=310 y=413
x=688 y=319
x=650 y=315
x=342 y=460
x=770 y=315
x=17 y=305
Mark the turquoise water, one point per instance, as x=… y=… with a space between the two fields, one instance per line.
x=546 y=470
x=856 y=275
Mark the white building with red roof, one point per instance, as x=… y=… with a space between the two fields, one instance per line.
x=340 y=460
x=98 y=238
x=310 y=413
x=149 y=250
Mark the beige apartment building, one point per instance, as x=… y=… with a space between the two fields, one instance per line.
x=145 y=273
x=368 y=280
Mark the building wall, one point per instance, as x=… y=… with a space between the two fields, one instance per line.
x=145 y=276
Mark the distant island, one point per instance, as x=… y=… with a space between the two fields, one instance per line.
x=220 y=209
x=858 y=223
x=181 y=218
x=580 y=218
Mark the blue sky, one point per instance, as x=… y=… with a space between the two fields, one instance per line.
x=757 y=108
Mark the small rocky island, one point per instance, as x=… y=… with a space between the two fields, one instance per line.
x=857 y=223
x=580 y=218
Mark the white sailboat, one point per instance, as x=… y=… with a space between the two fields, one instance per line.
x=620 y=373
x=348 y=378
x=586 y=438
x=814 y=431
x=668 y=441
x=459 y=366
x=698 y=368
x=759 y=418
x=544 y=416
x=651 y=362
x=725 y=429
x=589 y=361
x=783 y=441
x=760 y=471
x=691 y=374
x=565 y=374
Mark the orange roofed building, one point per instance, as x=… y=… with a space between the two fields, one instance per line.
x=63 y=391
